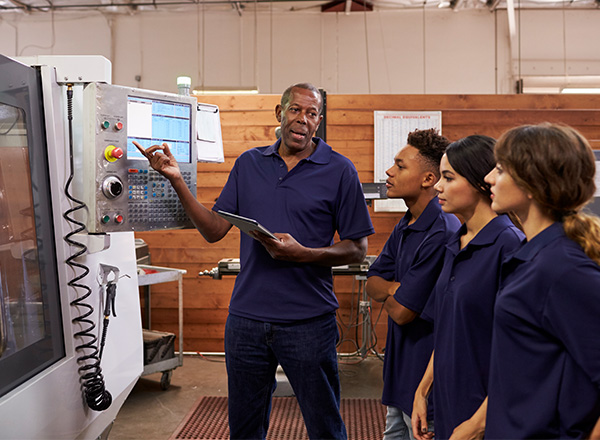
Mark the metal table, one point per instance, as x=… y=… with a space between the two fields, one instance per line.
x=164 y=275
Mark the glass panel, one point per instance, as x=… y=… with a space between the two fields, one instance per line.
x=31 y=334
x=22 y=318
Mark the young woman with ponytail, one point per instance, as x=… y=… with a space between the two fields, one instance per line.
x=545 y=361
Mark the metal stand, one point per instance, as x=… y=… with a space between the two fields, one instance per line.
x=164 y=275
x=364 y=308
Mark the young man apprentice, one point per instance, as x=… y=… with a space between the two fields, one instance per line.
x=404 y=274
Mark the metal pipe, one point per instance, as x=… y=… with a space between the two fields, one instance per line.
x=134 y=5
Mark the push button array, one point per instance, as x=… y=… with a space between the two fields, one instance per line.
x=153 y=200
x=138 y=184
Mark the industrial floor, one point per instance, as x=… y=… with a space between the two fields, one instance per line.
x=150 y=413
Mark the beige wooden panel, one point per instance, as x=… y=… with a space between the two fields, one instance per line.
x=237 y=103
x=475 y=117
x=249 y=118
x=439 y=102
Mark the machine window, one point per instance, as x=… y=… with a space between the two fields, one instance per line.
x=26 y=321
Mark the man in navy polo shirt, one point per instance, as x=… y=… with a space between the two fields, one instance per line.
x=406 y=271
x=282 y=309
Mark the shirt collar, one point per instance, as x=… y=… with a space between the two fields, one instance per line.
x=321 y=155
x=531 y=248
x=427 y=217
x=486 y=236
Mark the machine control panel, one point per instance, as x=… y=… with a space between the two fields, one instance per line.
x=121 y=190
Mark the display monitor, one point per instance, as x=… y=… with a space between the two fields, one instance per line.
x=154 y=122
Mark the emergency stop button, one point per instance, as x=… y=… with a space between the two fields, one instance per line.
x=113 y=153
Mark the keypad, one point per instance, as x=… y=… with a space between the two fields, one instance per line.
x=153 y=201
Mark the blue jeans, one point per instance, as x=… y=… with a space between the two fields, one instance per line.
x=306 y=351
x=397 y=425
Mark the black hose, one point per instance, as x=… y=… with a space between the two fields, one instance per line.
x=96 y=395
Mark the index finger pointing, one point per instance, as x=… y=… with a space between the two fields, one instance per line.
x=139 y=147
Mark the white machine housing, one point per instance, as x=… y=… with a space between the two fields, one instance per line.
x=50 y=404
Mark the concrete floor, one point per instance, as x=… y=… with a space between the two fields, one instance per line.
x=150 y=413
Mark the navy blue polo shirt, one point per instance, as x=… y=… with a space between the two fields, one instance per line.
x=413 y=256
x=320 y=196
x=462 y=305
x=545 y=362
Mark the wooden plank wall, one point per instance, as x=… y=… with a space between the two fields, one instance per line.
x=249 y=121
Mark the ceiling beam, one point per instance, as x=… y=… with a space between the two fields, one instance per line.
x=347 y=6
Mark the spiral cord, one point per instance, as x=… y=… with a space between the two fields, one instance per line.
x=96 y=395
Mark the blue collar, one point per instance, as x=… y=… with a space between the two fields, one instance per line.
x=321 y=155
x=486 y=236
x=427 y=217
x=531 y=248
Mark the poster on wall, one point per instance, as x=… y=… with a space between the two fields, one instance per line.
x=391 y=131
x=209 y=140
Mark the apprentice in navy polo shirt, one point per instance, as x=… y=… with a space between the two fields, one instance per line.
x=545 y=361
x=405 y=273
x=282 y=309
x=461 y=306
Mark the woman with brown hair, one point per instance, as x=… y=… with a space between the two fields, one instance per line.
x=545 y=361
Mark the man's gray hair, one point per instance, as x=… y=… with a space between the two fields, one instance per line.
x=285 y=98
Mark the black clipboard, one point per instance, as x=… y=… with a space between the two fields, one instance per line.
x=246 y=225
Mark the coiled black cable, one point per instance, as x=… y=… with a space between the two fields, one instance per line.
x=95 y=393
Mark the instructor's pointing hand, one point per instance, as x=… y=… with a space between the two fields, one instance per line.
x=161 y=159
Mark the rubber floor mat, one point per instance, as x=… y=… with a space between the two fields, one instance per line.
x=364 y=419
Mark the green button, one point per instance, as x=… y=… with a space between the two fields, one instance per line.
x=105 y=219
x=105 y=124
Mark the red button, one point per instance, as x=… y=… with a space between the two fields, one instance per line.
x=119 y=218
x=117 y=153
x=119 y=126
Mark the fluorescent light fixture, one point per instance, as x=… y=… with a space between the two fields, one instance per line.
x=580 y=90
x=561 y=84
x=227 y=91
x=541 y=90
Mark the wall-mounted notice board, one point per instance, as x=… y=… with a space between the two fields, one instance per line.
x=391 y=131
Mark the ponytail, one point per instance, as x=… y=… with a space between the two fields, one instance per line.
x=584 y=229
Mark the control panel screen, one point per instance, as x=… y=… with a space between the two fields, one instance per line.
x=154 y=122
